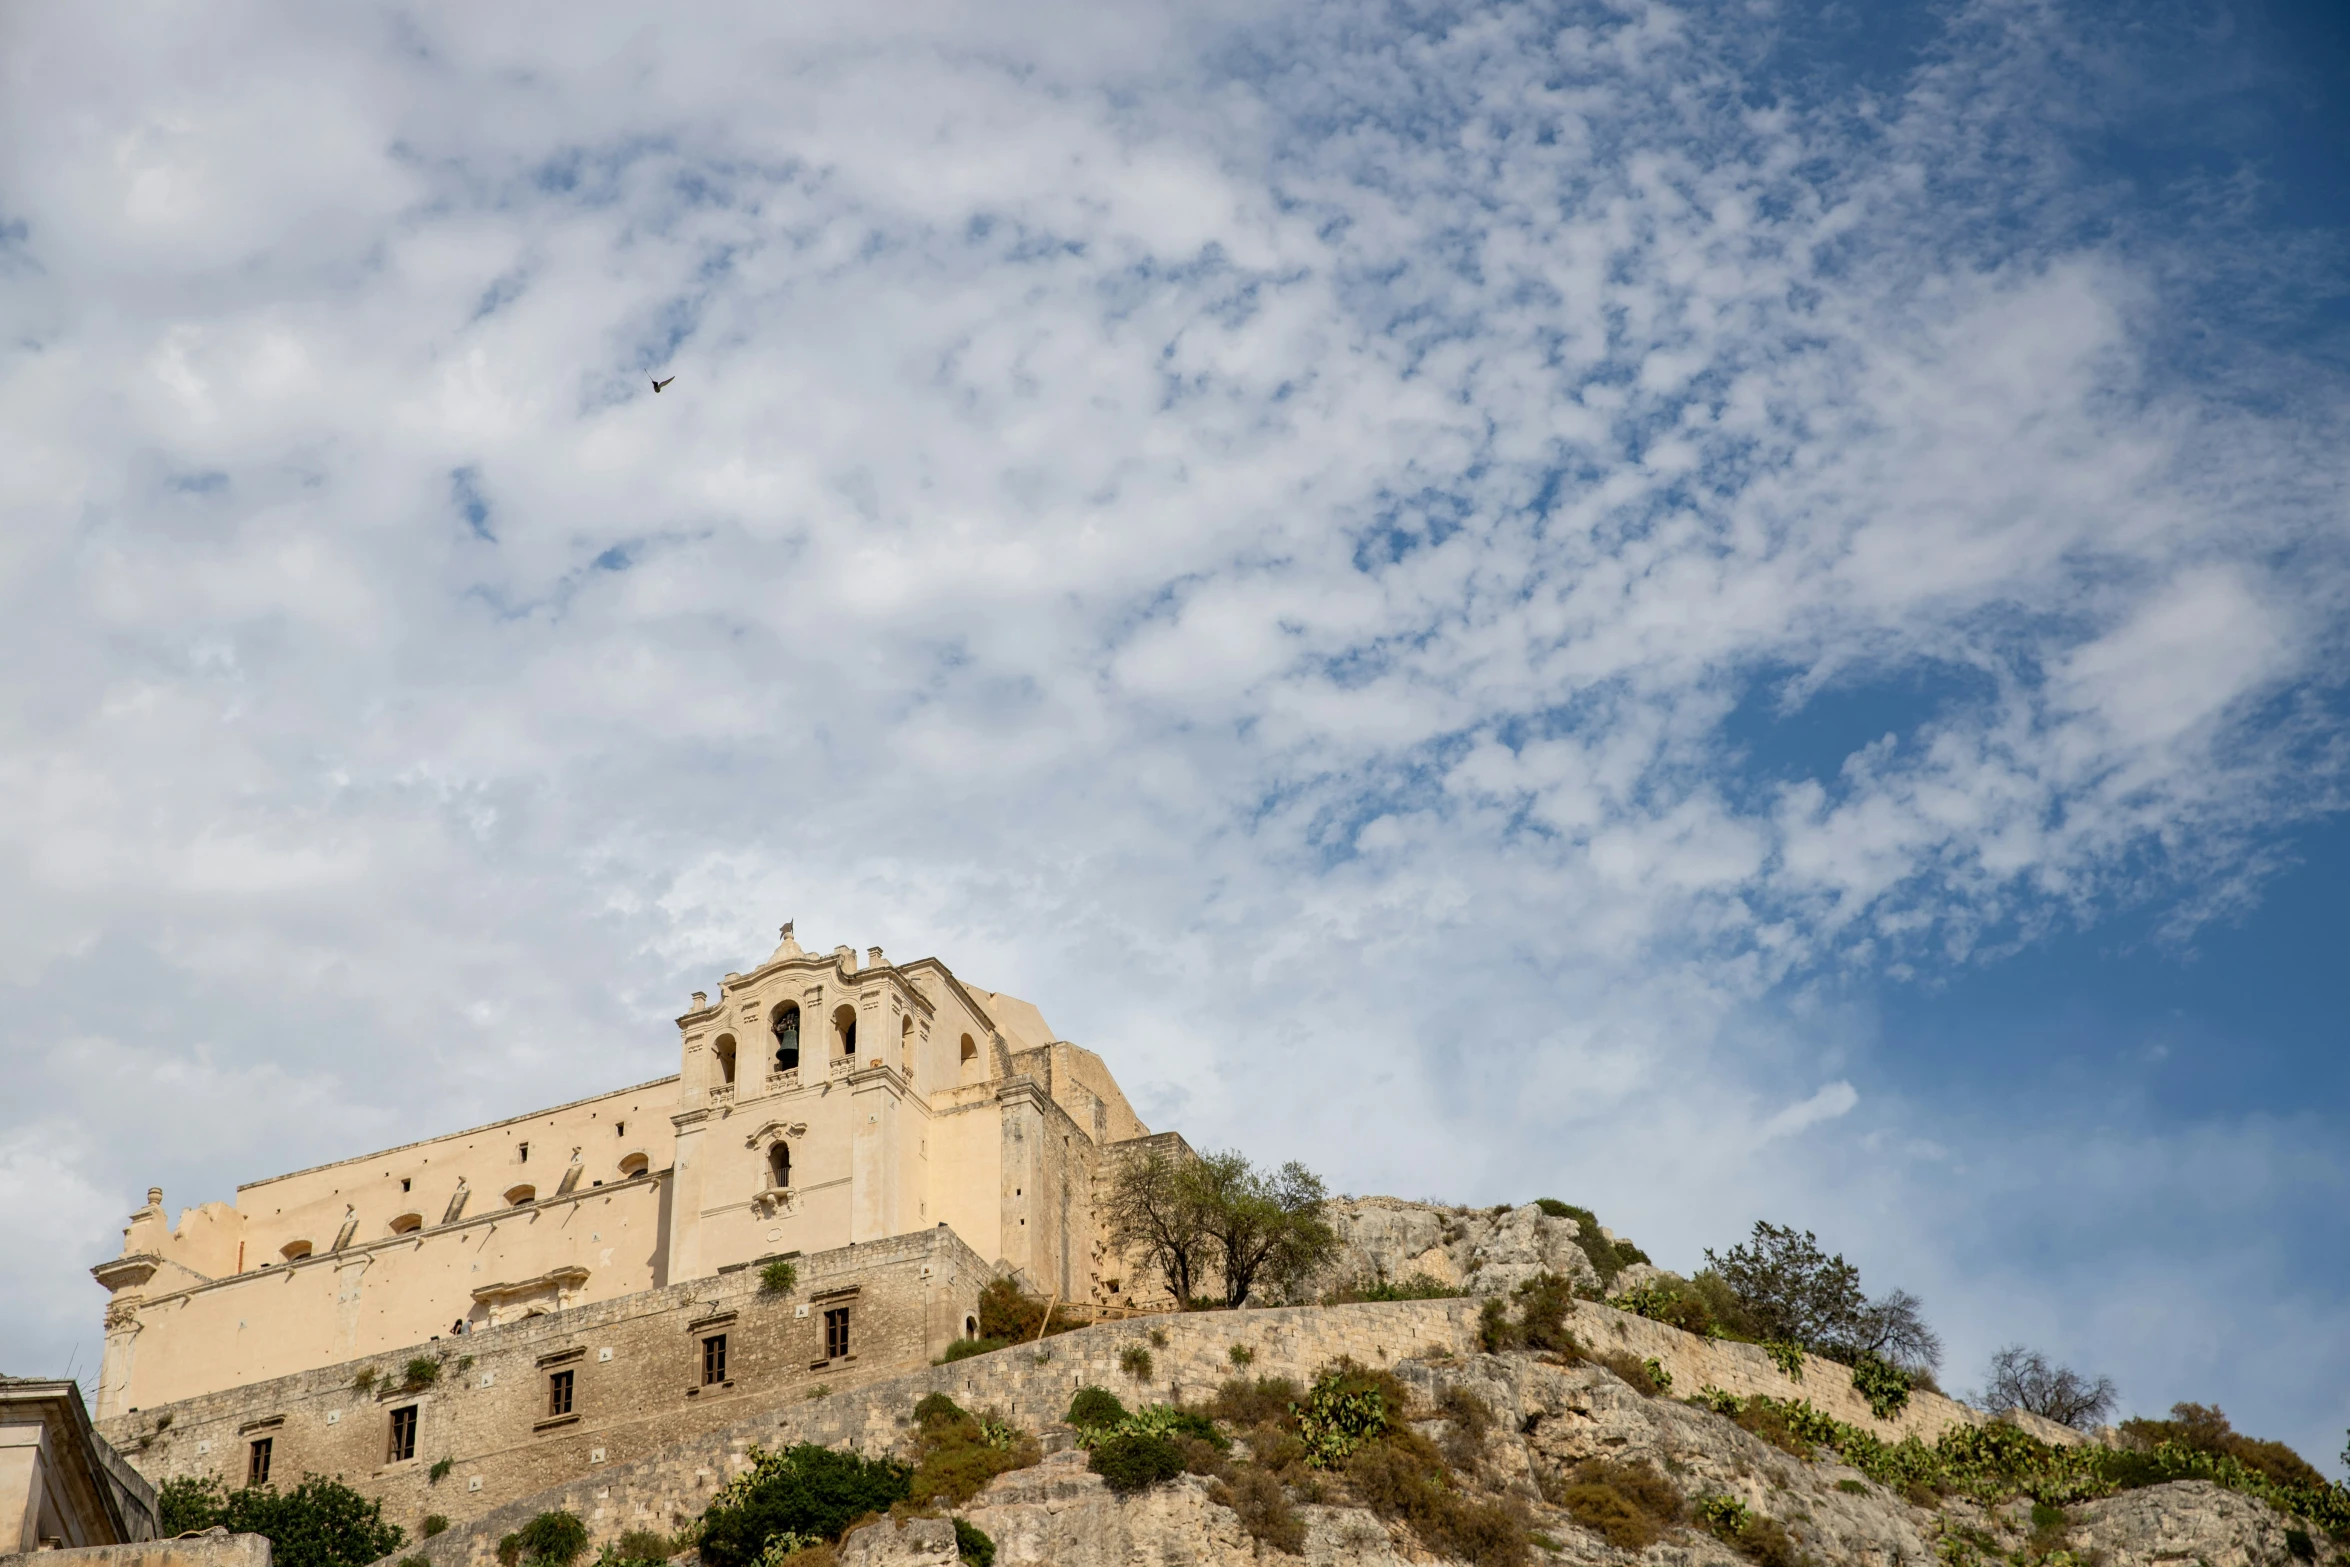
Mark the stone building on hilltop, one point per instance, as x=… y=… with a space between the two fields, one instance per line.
x=449 y=1323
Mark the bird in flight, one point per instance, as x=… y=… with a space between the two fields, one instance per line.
x=657 y=385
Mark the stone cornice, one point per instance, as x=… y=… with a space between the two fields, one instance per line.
x=566 y=1278
x=850 y=980
x=650 y=1179
x=127 y=1272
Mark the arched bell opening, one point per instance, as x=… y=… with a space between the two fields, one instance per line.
x=786 y=1027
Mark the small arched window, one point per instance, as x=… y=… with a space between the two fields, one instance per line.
x=844 y=1029
x=635 y=1165
x=779 y=1164
x=294 y=1251
x=787 y=1038
x=408 y=1224
x=970 y=1327
x=724 y=1051
x=970 y=1049
x=522 y=1196
x=906 y=1048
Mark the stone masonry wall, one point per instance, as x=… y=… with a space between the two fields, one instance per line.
x=1031 y=1386
x=213 y=1548
x=637 y=1388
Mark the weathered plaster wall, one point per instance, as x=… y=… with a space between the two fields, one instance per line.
x=1032 y=1385
x=636 y=1382
x=373 y=1298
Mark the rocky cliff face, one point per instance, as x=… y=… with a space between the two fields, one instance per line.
x=1481 y=1250
x=1551 y=1419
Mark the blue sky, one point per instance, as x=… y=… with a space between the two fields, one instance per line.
x=1724 y=611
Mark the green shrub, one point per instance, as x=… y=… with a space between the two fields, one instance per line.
x=1670 y=1302
x=644 y=1545
x=440 y=1469
x=1645 y=1377
x=365 y=1380
x=1265 y=1510
x=1012 y=1315
x=806 y=1491
x=1266 y=1401
x=1240 y=1354
x=1608 y=1258
x=1130 y=1460
x=779 y=1277
x=435 y=1523
x=1467 y=1419
x=2204 y=1429
x=1997 y=1462
x=319 y=1523
x=1350 y=1405
x=423 y=1371
x=958 y=1453
x=1400 y=1474
x=1883 y=1384
x=936 y=1408
x=965 y=1348
x=187 y=1504
x=1135 y=1361
x=1628 y=1505
x=552 y=1539
x=1544 y=1303
x=1095 y=1408
x=1420 y=1286
x=973 y=1545
x=1787 y=1355
x=1753 y=1535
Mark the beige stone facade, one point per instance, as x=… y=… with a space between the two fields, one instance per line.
x=894 y=1131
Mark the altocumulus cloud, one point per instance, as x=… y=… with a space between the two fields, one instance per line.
x=1253 y=531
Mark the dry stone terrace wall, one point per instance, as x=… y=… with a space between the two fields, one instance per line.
x=1031 y=1385
x=636 y=1387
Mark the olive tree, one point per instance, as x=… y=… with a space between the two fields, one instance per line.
x=1219 y=1218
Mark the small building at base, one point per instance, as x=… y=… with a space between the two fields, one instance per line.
x=442 y=1323
x=62 y=1485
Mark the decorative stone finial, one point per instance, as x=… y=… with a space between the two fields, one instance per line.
x=701 y=998
x=873 y=957
x=155 y=1197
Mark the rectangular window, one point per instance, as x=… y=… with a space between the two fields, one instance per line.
x=713 y=1359
x=257 y=1462
x=836 y=1332
x=558 y=1393
x=403 y=1434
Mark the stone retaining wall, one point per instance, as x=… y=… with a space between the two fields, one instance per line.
x=1031 y=1386
x=213 y=1548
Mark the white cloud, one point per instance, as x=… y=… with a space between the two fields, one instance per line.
x=1249 y=529
x=1835 y=1099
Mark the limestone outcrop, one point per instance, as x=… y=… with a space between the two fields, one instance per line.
x=1550 y=1419
x=1481 y=1250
